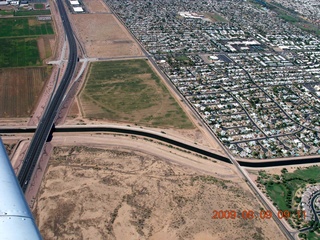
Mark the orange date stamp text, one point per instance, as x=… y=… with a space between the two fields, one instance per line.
x=250 y=214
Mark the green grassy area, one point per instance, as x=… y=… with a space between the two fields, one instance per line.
x=283 y=189
x=129 y=91
x=19 y=52
x=14 y=27
x=21 y=13
x=182 y=58
x=5 y=13
x=278 y=194
x=313 y=236
x=308 y=174
x=38 y=6
x=288 y=18
x=310 y=235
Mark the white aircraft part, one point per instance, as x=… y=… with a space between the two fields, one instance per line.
x=16 y=220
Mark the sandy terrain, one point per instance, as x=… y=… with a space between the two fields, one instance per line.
x=96 y=6
x=103 y=36
x=193 y=135
x=10 y=146
x=116 y=192
x=13 y=121
x=277 y=170
x=45 y=46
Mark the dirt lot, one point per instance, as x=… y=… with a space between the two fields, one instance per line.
x=45 y=45
x=96 y=6
x=10 y=145
x=20 y=89
x=103 y=36
x=122 y=193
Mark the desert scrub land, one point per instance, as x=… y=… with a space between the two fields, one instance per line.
x=129 y=91
x=112 y=193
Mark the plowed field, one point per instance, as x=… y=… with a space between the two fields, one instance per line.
x=20 y=89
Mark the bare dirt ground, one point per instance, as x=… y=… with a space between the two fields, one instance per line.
x=114 y=192
x=10 y=145
x=188 y=135
x=13 y=121
x=45 y=46
x=277 y=170
x=20 y=89
x=103 y=36
x=96 y=6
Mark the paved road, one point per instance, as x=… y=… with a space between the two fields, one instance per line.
x=315 y=212
x=46 y=123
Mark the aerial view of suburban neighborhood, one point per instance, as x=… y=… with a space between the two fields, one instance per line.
x=160 y=119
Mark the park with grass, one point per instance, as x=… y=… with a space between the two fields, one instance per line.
x=285 y=191
x=130 y=91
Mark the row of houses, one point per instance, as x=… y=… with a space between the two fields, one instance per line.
x=306 y=203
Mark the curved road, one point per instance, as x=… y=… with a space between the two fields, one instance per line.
x=46 y=123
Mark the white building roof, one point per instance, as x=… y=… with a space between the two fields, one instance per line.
x=74 y=2
x=78 y=9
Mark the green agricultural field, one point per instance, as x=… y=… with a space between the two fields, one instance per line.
x=5 y=12
x=19 y=38
x=21 y=13
x=19 y=52
x=129 y=91
x=38 y=6
x=18 y=27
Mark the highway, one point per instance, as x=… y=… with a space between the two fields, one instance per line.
x=46 y=124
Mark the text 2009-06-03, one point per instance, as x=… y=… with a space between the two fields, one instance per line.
x=250 y=214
